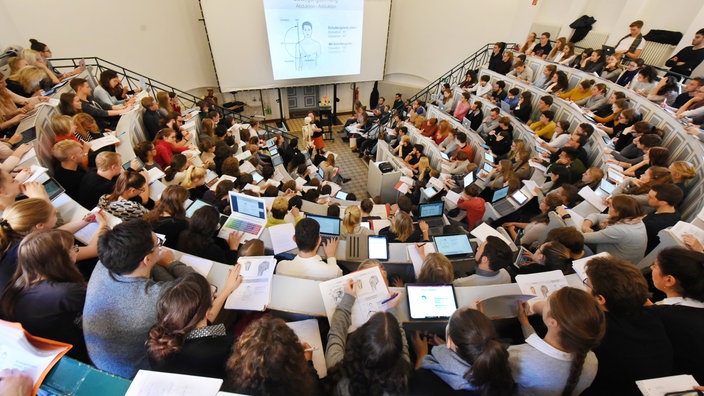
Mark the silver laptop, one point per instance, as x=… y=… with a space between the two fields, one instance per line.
x=248 y=215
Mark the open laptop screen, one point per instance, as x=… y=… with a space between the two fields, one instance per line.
x=453 y=245
x=430 y=209
x=328 y=225
x=499 y=194
x=247 y=205
x=469 y=179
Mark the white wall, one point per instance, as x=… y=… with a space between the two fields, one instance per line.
x=164 y=39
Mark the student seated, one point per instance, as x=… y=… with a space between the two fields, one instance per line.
x=373 y=359
x=168 y=217
x=402 y=229
x=200 y=238
x=679 y=273
x=561 y=363
x=121 y=300
x=622 y=291
x=128 y=199
x=351 y=224
x=664 y=199
x=471 y=358
x=183 y=341
x=269 y=359
x=493 y=256
x=102 y=181
x=307 y=263
x=435 y=270
x=69 y=172
x=47 y=292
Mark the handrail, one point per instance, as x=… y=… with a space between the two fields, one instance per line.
x=456 y=74
x=135 y=79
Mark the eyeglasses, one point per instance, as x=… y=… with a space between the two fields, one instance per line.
x=586 y=283
x=159 y=243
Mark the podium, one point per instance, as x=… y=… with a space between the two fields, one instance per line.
x=382 y=184
x=326 y=120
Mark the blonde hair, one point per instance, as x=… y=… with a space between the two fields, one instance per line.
x=30 y=78
x=684 y=169
x=14 y=64
x=104 y=160
x=424 y=167
x=418 y=123
x=208 y=127
x=402 y=226
x=193 y=173
x=85 y=124
x=31 y=56
x=61 y=125
x=62 y=149
x=352 y=218
x=436 y=269
x=21 y=218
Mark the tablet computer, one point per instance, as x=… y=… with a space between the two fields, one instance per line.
x=519 y=197
x=378 y=248
x=434 y=302
x=453 y=245
x=488 y=157
x=257 y=177
x=341 y=195
x=195 y=205
x=469 y=179
x=126 y=165
x=53 y=188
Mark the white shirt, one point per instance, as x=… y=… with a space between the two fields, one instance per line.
x=684 y=301
x=310 y=268
x=625 y=44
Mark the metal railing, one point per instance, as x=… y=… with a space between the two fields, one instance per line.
x=455 y=75
x=134 y=80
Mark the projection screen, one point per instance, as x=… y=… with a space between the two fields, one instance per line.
x=281 y=43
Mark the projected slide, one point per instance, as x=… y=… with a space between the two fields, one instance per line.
x=314 y=38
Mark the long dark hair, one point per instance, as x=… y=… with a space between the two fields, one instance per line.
x=373 y=363
x=477 y=343
x=127 y=180
x=201 y=230
x=42 y=256
x=171 y=201
x=104 y=82
x=178 y=161
x=180 y=308
x=582 y=326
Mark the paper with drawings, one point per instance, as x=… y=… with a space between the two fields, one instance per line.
x=541 y=284
x=200 y=265
x=663 y=385
x=681 y=228
x=282 y=237
x=154 y=383
x=590 y=196
x=254 y=293
x=578 y=265
x=484 y=230
x=371 y=291
x=308 y=331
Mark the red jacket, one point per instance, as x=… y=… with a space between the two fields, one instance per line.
x=474 y=208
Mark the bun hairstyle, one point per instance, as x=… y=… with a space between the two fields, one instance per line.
x=687 y=267
x=352 y=218
x=179 y=309
x=477 y=343
x=21 y=218
x=37 y=45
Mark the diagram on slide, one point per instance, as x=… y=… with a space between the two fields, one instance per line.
x=300 y=45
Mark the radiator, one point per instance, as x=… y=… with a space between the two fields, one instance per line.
x=540 y=28
x=656 y=54
x=593 y=40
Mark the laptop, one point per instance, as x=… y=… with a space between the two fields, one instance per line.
x=605 y=188
x=248 y=215
x=453 y=245
x=499 y=194
x=444 y=156
x=430 y=192
x=483 y=174
x=469 y=179
x=329 y=226
x=378 y=247
x=616 y=177
x=195 y=205
x=273 y=151
x=431 y=302
x=276 y=160
x=607 y=50
x=257 y=177
x=321 y=173
x=488 y=157
x=511 y=202
x=432 y=214
x=341 y=195
x=505 y=106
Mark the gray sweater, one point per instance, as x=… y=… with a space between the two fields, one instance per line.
x=117 y=316
x=627 y=241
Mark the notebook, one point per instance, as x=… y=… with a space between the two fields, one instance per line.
x=248 y=215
